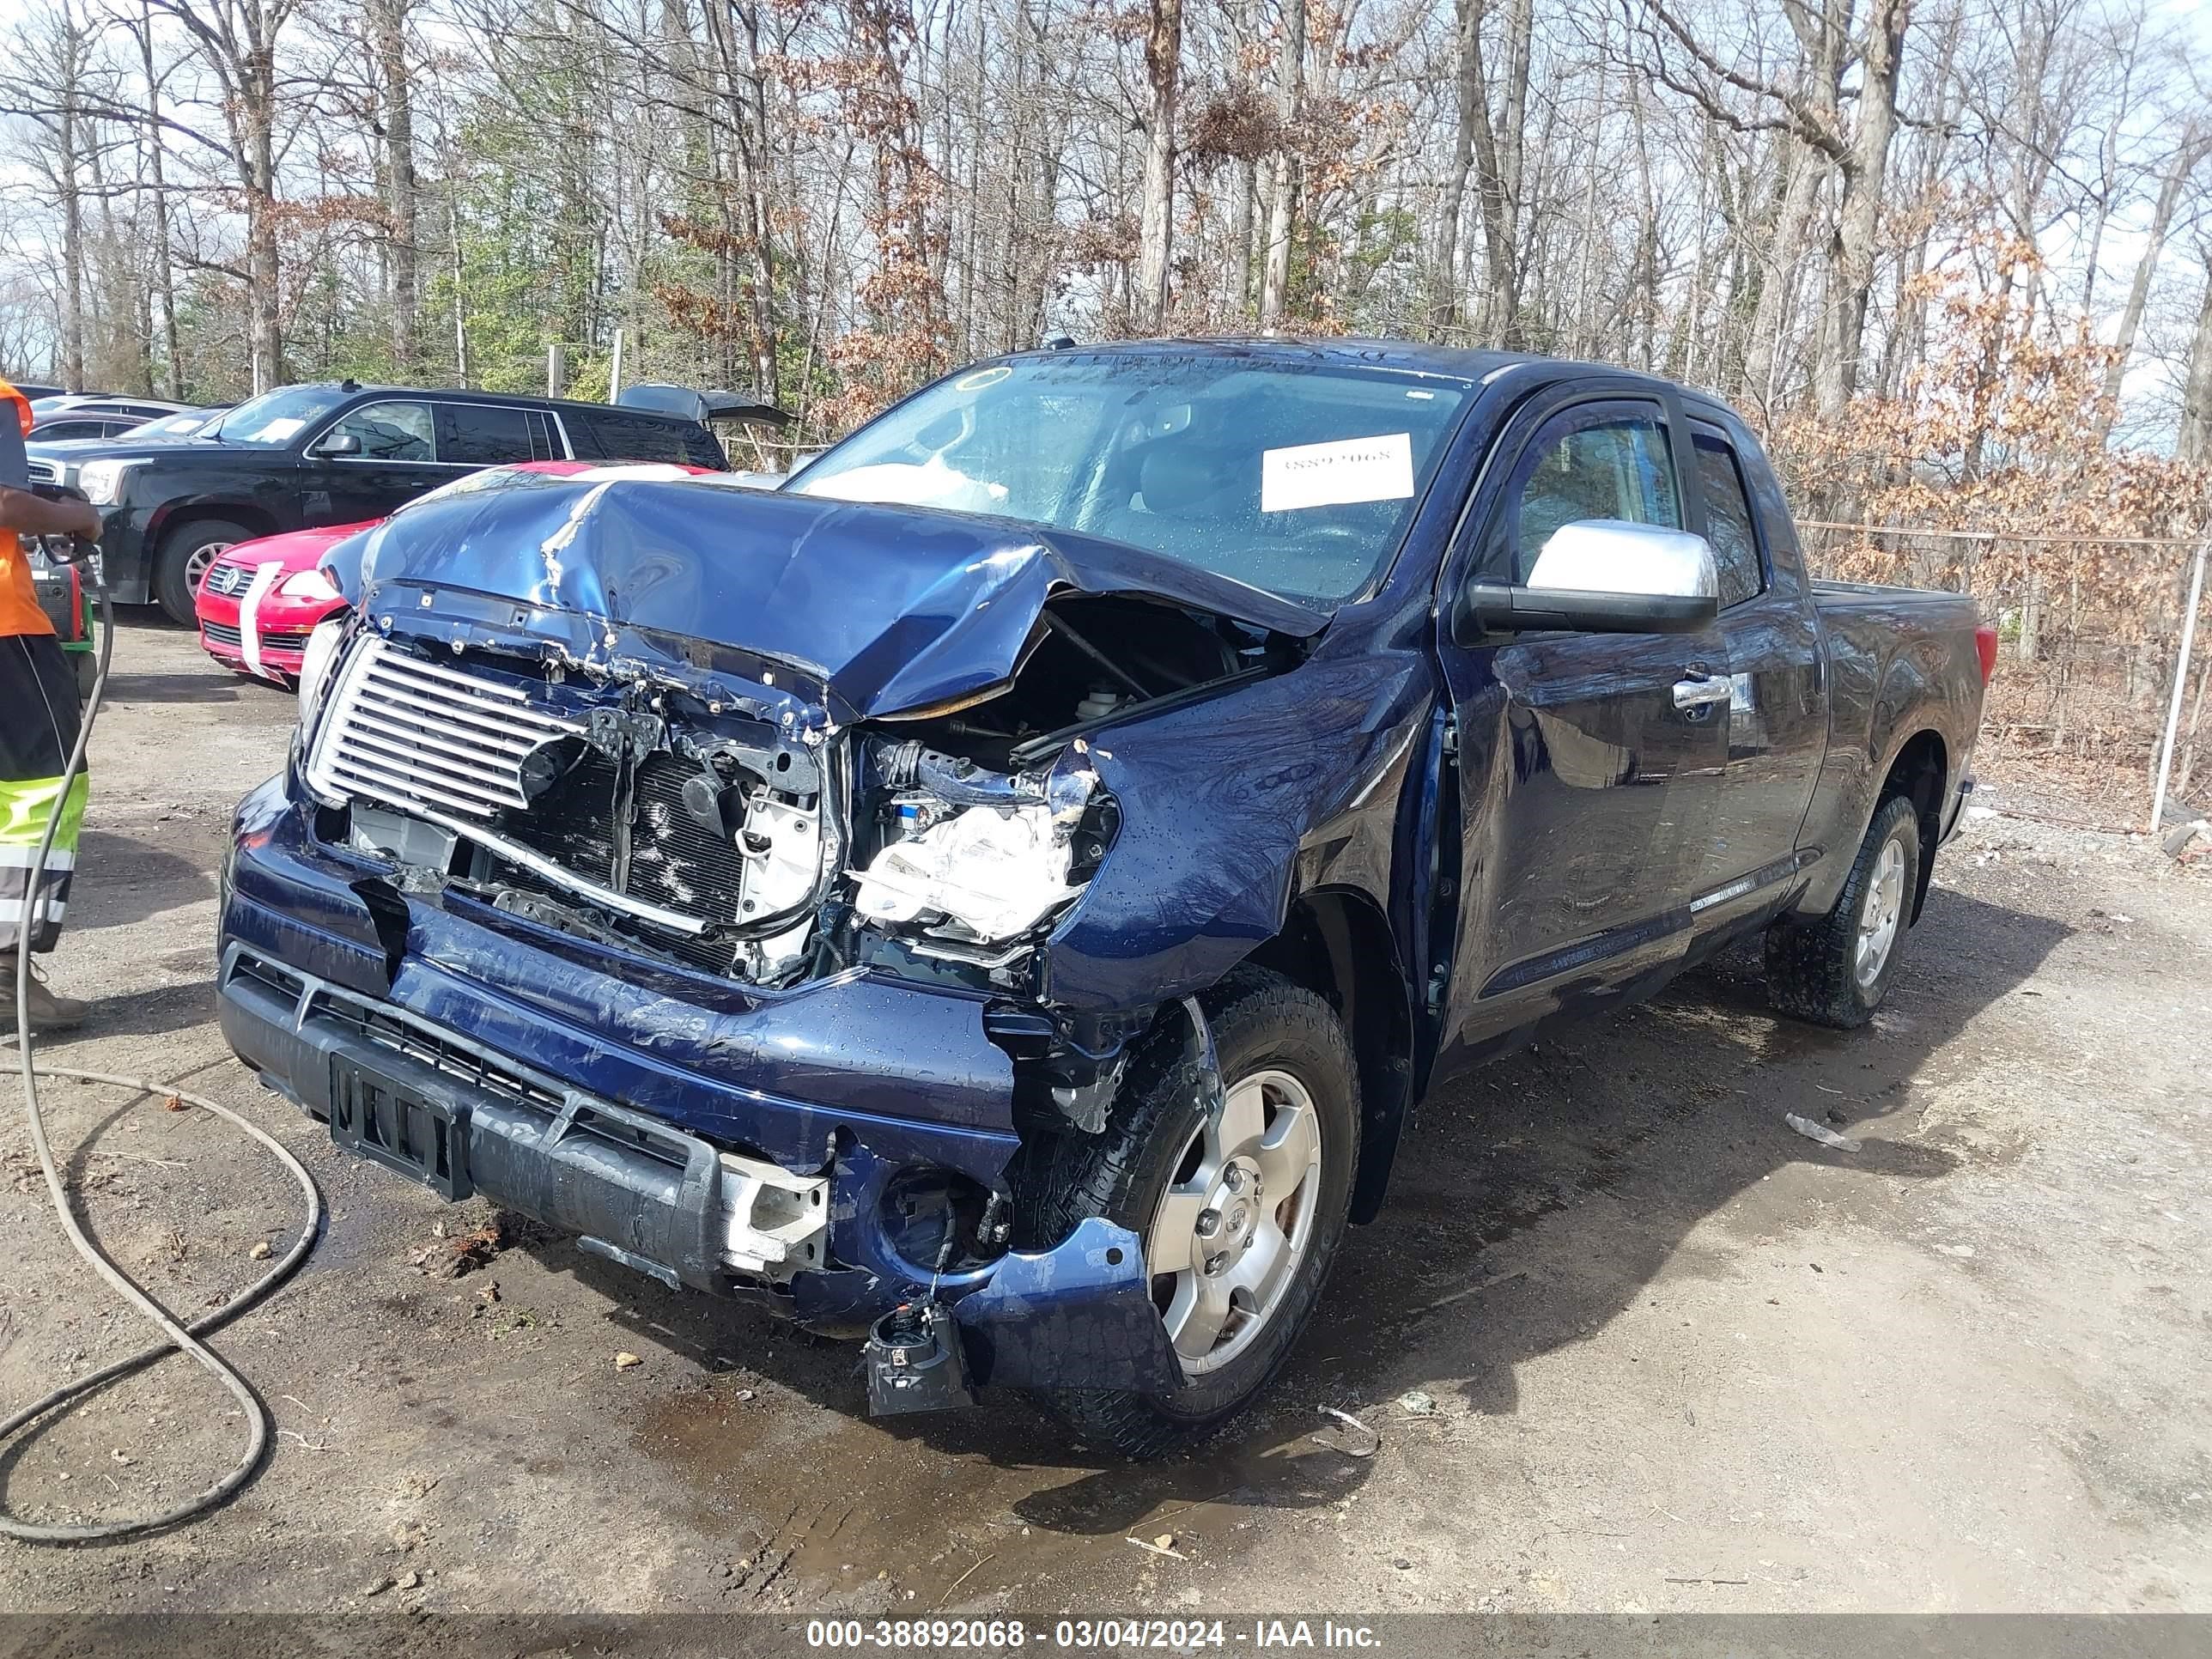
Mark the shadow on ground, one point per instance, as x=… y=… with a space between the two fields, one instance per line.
x=172 y=687
x=123 y=879
x=1681 y=1100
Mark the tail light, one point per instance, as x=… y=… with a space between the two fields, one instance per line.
x=1985 y=647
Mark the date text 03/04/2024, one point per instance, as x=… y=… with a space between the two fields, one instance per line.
x=1173 y=1635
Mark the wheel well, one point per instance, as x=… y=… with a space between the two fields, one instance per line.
x=1337 y=944
x=249 y=517
x=1918 y=774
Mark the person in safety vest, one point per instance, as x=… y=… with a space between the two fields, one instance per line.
x=39 y=718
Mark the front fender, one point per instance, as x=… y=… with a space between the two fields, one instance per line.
x=1230 y=806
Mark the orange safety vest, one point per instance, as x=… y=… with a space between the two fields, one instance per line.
x=20 y=612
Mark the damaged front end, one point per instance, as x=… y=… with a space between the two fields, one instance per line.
x=792 y=821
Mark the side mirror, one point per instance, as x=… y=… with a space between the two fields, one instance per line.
x=339 y=443
x=1599 y=576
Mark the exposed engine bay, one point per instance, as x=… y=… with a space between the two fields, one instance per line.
x=616 y=804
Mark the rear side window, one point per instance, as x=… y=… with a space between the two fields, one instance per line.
x=486 y=434
x=1728 y=524
x=1594 y=461
x=616 y=434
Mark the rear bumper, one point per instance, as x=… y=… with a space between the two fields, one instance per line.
x=604 y=1108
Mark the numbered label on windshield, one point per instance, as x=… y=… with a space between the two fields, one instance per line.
x=1379 y=469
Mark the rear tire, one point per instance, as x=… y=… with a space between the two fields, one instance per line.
x=185 y=557
x=1276 y=1204
x=1835 y=969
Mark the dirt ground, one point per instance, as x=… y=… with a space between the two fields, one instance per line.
x=1681 y=1358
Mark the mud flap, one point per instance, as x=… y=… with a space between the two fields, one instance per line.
x=1079 y=1315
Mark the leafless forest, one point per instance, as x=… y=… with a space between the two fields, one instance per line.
x=1953 y=256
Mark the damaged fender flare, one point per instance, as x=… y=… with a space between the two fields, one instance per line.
x=1079 y=1314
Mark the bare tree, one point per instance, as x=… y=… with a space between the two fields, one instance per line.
x=238 y=41
x=1163 y=78
x=1283 y=186
x=388 y=24
x=2194 y=442
x=2195 y=143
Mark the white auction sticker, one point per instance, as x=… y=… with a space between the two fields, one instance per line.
x=1379 y=469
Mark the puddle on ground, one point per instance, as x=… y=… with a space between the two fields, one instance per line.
x=923 y=1500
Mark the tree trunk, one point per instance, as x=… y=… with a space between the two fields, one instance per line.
x=263 y=267
x=1164 y=75
x=1501 y=159
x=1240 y=241
x=165 y=288
x=1859 y=220
x=387 y=22
x=2162 y=220
x=1290 y=86
x=2195 y=441
x=1473 y=112
x=72 y=204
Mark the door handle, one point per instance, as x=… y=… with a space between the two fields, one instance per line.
x=1700 y=692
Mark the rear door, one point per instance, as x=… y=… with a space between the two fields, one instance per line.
x=1778 y=712
x=494 y=434
x=396 y=460
x=1589 y=785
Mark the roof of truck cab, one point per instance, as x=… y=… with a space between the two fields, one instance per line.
x=1470 y=364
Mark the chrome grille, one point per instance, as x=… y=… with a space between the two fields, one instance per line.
x=415 y=734
x=44 y=472
x=226 y=581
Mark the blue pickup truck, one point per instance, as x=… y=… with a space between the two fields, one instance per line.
x=1004 y=896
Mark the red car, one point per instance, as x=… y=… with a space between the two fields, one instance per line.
x=260 y=599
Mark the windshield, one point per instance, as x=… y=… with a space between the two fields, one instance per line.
x=1295 y=479
x=275 y=418
x=168 y=426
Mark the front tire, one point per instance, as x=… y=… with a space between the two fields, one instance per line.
x=1240 y=1219
x=1835 y=969
x=185 y=556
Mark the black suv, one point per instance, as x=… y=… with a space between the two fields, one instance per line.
x=307 y=455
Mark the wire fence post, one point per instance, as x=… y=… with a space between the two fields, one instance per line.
x=2180 y=684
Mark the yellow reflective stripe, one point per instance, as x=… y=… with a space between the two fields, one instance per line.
x=24 y=807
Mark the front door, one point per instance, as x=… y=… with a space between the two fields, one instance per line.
x=1590 y=764
x=371 y=461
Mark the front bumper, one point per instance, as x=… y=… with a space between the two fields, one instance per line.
x=271 y=644
x=604 y=1104
x=126 y=556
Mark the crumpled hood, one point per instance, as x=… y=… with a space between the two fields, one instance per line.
x=893 y=609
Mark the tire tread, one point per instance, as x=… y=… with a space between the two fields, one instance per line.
x=1809 y=973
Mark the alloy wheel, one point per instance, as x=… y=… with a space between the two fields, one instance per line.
x=1878 y=920
x=200 y=560
x=1237 y=1221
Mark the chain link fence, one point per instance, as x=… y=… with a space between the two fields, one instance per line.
x=2089 y=634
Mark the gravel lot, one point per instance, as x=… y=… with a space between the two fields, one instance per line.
x=1681 y=1358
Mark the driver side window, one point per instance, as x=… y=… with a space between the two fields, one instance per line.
x=1594 y=461
x=390 y=432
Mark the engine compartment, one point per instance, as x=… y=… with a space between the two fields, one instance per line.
x=616 y=805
